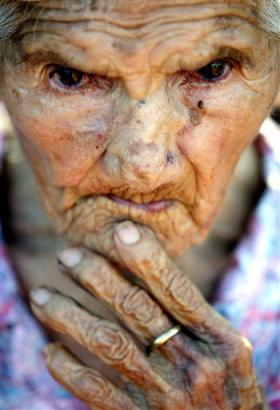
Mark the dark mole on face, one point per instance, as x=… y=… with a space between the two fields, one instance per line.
x=141 y=102
x=100 y=140
x=170 y=157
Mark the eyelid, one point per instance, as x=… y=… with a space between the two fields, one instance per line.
x=227 y=71
x=59 y=66
x=95 y=83
x=189 y=77
x=226 y=60
x=64 y=90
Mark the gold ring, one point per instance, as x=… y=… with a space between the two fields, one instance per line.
x=164 y=337
x=247 y=343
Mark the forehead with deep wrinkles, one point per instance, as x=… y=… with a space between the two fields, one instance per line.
x=125 y=38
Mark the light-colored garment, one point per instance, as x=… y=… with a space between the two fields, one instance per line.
x=249 y=297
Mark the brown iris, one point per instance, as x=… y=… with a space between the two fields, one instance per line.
x=214 y=71
x=67 y=77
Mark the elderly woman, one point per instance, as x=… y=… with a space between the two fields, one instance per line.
x=133 y=115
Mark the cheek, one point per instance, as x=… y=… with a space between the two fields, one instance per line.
x=228 y=125
x=209 y=144
x=68 y=142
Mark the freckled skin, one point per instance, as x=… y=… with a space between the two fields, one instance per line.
x=143 y=129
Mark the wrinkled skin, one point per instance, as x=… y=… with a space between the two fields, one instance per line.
x=142 y=126
x=207 y=367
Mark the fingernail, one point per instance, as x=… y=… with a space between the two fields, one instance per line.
x=128 y=233
x=40 y=296
x=70 y=257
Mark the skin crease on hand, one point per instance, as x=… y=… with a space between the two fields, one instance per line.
x=142 y=126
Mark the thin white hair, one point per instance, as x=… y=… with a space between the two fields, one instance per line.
x=270 y=15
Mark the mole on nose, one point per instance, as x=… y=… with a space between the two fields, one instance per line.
x=170 y=158
x=141 y=102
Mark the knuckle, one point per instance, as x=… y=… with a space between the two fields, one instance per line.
x=88 y=333
x=240 y=353
x=91 y=386
x=112 y=343
x=238 y=358
x=138 y=304
x=178 y=287
x=72 y=320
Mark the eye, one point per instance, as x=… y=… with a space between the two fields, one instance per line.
x=216 y=70
x=68 y=78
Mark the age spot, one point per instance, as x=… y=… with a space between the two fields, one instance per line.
x=100 y=140
x=170 y=158
x=141 y=102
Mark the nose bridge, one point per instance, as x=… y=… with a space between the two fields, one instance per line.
x=143 y=137
x=140 y=85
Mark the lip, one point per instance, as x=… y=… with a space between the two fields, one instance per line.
x=152 y=207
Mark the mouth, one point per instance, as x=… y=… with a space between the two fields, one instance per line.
x=152 y=207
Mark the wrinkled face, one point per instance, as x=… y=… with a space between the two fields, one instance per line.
x=138 y=110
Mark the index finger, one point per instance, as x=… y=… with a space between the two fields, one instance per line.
x=144 y=256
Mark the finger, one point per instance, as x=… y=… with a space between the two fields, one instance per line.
x=131 y=304
x=101 y=338
x=87 y=384
x=144 y=256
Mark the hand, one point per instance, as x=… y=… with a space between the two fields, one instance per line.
x=206 y=366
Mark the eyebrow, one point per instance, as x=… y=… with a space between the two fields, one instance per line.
x=42 y=56
x=75 y=56
x=54 y=58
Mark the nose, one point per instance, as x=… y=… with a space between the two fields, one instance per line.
x=143 y=151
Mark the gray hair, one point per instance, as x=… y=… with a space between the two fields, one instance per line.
x=270 y=16
x=13 y=13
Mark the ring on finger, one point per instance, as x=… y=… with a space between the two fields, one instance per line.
x=163 y=338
